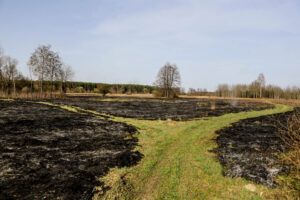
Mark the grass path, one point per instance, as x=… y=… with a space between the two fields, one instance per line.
x=178 y=164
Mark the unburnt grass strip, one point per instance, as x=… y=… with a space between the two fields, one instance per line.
x=178 y=162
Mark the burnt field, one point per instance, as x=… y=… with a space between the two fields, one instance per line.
x=51 y=153
x=153 y=109
x=48 y=152
x=249 y=148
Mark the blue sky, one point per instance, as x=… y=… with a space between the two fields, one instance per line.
x=127 y=41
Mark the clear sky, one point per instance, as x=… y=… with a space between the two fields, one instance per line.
x=127 y=41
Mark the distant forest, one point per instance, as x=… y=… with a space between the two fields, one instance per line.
x=27 y=86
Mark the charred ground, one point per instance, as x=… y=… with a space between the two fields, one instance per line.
x=153 y=109
x=51 y=153
x=249 y=148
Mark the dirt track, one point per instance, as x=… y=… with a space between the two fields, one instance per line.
x=51 y=153
x=153 y=109
x=248 y=148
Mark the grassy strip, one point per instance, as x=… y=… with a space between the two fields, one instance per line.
x=178 y=163
x=7 y=100
x=77 y=110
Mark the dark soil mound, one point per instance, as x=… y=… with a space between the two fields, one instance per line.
x=248 y=148
x=152 y=109
x=50 y=153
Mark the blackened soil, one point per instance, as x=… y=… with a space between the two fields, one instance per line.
x=152 y=109
x=249 y=148
x=50 y=153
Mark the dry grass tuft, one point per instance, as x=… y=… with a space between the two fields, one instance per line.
x=291 y=102
x=290 y=134
x=33 y=96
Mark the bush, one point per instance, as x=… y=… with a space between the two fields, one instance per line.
x=79 y=89
x=103 y=89
x=158 y=92
x=96 y=90
x=25 y=89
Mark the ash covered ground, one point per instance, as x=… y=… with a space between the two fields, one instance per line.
x=249 y=148
x=51 y=153
x=153 y=109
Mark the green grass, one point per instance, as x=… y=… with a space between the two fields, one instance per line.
x=77 y=109
x=178 y=164
x=7 y=100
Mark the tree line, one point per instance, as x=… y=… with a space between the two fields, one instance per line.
x=44 y=64
x=168 y=85
x=257 y=89
x=48 y=74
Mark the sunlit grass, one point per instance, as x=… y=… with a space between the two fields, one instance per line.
x=6 y=100
x=79 y=110
x=178 y=164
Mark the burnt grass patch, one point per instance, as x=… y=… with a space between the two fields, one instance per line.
x=50 y=153
x=250 y=148
x=163 y=109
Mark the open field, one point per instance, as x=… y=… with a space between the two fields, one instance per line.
x=64 y=148
x=153 y=109
x=52 y=153
x=150 y=100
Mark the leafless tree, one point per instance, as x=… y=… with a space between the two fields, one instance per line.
x=30 y=69
x=54 y=67
x=168 y=79
x=10 y=72
x=40 y=61
x=1 y=69
x=254 y=89
x=223 y=90
x=66 y=73
x=262 y=82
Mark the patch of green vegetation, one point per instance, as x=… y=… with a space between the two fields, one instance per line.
x=69 y=108
x=178 y=163
x=78 y=110
x=6 y=100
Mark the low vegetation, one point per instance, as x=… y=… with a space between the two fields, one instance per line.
x=178 y=162
x=290 y=134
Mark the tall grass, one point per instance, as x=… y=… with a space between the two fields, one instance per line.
x=290 y=134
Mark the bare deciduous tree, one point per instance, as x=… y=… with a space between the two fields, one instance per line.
x=223 y=90
x=10 y=72
x=262 y=82
x=168 y=78
x=43 y=61
x=54 y=67
x=1 y=69
x=66 y=73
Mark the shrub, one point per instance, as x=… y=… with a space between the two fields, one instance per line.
x=103 y=89
x=79 y=89
x=25 y=89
